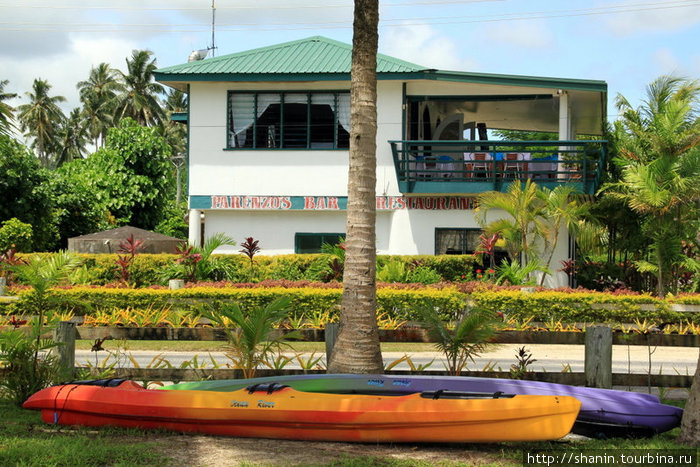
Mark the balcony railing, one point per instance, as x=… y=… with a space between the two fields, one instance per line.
x=444 y=167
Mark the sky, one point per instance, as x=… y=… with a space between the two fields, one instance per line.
x=626 y=43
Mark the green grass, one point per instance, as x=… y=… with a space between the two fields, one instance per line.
x=219 y=346
x=25 y=440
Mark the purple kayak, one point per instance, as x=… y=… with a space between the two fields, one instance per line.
x=604 y=412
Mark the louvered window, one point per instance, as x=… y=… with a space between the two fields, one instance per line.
x=288 y=120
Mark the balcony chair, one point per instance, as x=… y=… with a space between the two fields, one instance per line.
x=510 y=164
x=480 y=163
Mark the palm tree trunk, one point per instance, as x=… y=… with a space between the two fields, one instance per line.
x=357 y=346
x=690 y=424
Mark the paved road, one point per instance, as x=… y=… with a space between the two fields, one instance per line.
x=551 y=358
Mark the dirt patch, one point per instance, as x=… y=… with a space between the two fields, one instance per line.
x=211 y=451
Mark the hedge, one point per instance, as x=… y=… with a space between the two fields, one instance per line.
x=146 y=269
x=397 y=303
x=304 y=301
x=582 y=307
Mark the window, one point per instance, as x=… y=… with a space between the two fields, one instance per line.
x=289 y=120
x=462 y=242
x=312 y=242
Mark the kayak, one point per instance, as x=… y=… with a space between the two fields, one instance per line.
x=604 y=412
x=281 y=412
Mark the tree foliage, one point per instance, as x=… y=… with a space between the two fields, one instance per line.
x=659 y=159
x=26 y=192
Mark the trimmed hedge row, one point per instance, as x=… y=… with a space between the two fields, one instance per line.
x=147 y=269
x=309 y=302
x=397 y=303
x=582 y=307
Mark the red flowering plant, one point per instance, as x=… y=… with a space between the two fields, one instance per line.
x=129 y=248
x=487 y=246
x=9 y=260
x=188 y=260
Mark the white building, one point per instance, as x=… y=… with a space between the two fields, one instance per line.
x=268 y=146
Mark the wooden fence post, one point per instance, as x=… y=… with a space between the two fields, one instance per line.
x=64 y=336
x=330 y=335
x=598 y=357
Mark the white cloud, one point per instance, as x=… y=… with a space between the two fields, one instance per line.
x=63 y=70
x=423 y=45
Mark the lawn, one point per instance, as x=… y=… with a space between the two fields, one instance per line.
x=26 y=440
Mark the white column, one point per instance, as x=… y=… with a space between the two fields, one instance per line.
x=195 y=231
x=564 y=126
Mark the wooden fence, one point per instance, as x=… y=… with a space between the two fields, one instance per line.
x=597 y=340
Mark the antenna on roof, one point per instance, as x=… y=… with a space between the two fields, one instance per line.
x=213 y=26
x=201 y=54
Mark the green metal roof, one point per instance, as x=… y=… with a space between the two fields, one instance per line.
x=314 y=55
x=321 y=59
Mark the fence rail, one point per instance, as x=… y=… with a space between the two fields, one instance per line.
x=598 y=362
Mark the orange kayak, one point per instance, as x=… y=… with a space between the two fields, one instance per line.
x=276 y=411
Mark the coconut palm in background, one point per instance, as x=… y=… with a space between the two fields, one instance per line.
x=71 y=138
x=139 y=97
x=6 y=111
x=41 y=118
x=98 y=94
x=659 y=146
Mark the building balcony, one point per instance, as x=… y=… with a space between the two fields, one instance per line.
x=468 y=167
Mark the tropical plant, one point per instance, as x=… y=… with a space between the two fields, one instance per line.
x=512 y=273
x=466 y=340
x=41 y=118
x=71 y=138
x=659 y=146
x=129 y=248
x=523 y=360
x=9 y=260
x=15 y=235
x=97 y=95
x=23 y=179
x=198 y=263
x=253 y=338
x=487 y=246
x=523 y=225
x=29 y=369
x=6 y=111
x=27 y=366
x=563 y=209
x=139 y=97
x=393 y=271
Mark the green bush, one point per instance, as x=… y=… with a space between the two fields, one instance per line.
x=15 y=234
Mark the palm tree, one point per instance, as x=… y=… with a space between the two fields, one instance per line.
x=6 y=111
x=72 y=137
x=252 y=337
x=357 y=347
x=524 y=222
x=174 y=133
x=564 y=209
x=463 y=341
x=139 y=99
x=660 y=162
x=41 y=118
x=98 y=95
